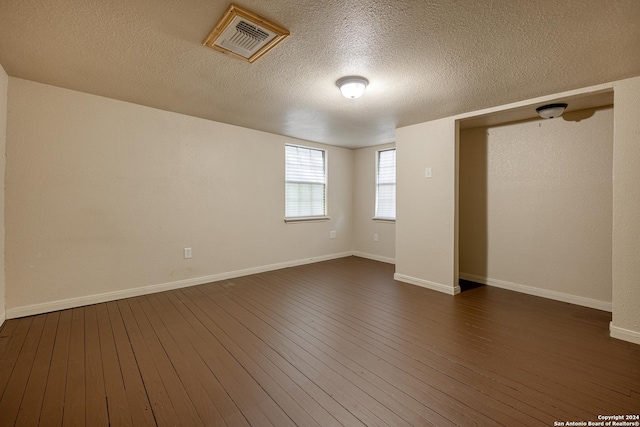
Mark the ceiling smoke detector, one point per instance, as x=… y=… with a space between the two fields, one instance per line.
x=244 y=35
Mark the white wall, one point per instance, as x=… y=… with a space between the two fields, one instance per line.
x=426 y=223
x=536 y=206
x=102 y=196
x=364 y=201
x=626 y=211
x=4 y=82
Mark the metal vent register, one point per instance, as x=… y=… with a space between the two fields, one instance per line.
x=247 y=36
x=244 y=34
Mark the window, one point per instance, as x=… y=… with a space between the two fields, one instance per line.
x=386 y=184
x=305 y=182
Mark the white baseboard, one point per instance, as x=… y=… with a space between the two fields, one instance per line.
x=544 y=293
x=427 y=284
x=30 y=310
x=3 y=317
x=624 y=334
x=374 y=257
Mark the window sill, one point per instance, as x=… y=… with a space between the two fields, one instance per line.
x=384 y=220
x=307 y=219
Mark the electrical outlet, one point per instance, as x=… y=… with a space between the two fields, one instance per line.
x=187 y=253
x=375 y=237
x=332 y=234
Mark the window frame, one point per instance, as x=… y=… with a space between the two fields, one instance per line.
x=309 y=218
x=377 y=186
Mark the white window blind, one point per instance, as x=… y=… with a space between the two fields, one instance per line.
x=386 y=184
x=305 y=187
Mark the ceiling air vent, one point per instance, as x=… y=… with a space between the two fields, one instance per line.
x=244 y=34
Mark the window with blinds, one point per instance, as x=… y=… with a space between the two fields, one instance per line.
x=386 y=184
x=305 y=182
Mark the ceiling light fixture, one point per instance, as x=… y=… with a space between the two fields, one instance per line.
x=352 y=86
x=550 y=111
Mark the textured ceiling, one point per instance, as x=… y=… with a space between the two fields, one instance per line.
x=425 y=59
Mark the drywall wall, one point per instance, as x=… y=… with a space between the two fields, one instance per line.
x=425 y=207
x=535 y=206
x=432 y=143
x=4 y=82
x=364 y=202
x=102 y=196
x=626 y=211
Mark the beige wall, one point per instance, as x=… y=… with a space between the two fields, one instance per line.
x=536 y=205
x=4 y=82
x=426 y=226
x=426 y=255
x=364 y=201
x=102 y=196
x=626 y=211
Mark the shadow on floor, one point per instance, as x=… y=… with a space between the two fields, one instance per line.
x=466 y=285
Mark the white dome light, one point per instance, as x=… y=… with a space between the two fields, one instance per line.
x=353 y=86
x=552 y=110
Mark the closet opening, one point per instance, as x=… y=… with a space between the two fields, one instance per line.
x=535 y=203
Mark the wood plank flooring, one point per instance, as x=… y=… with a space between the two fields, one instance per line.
x=338 y=343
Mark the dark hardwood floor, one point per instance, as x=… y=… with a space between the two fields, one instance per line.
x=327 y=344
